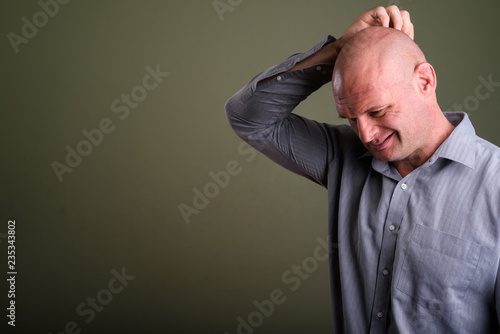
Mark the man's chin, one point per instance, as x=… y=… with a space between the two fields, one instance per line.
x=384 y=156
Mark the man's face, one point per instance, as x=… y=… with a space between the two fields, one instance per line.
x=384 y=113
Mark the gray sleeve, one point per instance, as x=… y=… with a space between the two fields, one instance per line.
x=262 y=116
x=497 y=296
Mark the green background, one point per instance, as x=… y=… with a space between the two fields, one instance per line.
x=119 y=208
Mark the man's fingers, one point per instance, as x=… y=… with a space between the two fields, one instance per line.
x=395 y=17
x=381 y=14
x=407 y=25
x=391 y=16
x=387 y=17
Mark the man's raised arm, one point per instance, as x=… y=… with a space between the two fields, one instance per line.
x=261 y=112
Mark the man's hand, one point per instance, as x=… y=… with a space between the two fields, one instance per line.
x=379 y=16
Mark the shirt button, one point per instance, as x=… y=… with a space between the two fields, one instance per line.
x=279 y=78
x=404 y=186
x=392 y=227
x=385 y=272
x=318 y=68
x=380 y=314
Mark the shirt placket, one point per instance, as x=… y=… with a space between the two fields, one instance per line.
x=382 y=295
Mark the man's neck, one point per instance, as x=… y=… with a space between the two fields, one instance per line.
x=438 y=136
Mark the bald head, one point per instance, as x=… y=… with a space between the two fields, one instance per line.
x=383 y=85
x=376 y=54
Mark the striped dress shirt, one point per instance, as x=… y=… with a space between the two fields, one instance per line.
x=414 y=254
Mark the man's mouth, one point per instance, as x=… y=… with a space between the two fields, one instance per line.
x=383 y=144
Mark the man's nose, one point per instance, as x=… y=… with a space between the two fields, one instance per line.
x=367 y=129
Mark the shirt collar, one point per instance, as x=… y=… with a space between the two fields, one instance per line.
x=459 y=146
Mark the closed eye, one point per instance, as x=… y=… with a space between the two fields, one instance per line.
x=378 y=113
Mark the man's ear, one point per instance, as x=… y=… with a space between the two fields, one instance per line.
x=425 y=78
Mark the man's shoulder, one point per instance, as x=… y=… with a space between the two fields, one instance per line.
x=480 y=150
x=487 y=149
x=487 y=162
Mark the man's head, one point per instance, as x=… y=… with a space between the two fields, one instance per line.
x=383 y=85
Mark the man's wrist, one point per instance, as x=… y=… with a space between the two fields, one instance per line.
x=338 y=44
x=332 y=50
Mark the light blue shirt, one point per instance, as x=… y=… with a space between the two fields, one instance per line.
x=418 y=254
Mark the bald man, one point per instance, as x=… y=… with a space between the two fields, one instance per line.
x=383 y=85
x=413 y=193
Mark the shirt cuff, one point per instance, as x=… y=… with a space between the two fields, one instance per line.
x=288 y=64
